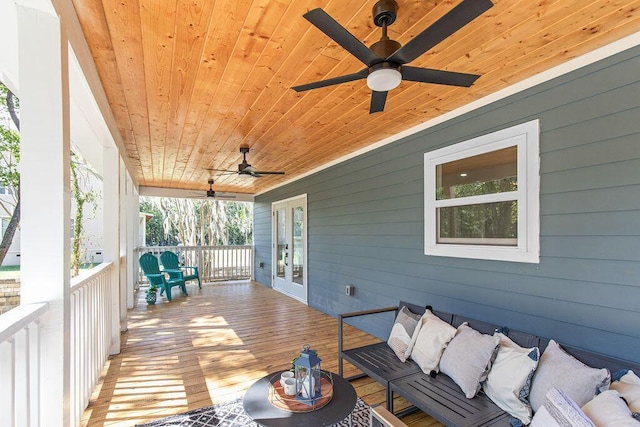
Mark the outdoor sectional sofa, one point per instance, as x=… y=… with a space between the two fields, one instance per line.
x=438 y=395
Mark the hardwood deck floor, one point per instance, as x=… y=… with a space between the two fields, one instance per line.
x=209 y=348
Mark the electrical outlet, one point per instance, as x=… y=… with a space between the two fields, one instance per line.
x=350 y=290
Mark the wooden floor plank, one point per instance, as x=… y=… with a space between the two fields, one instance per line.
x=209 y=347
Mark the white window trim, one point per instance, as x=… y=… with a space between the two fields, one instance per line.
x=526 y=136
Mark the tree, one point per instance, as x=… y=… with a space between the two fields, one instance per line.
x=155 y=235
x=239 y=227
x=198 y=222
x=83 y=195
x=9 y=174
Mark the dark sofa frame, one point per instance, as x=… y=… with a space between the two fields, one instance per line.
x=440 y=397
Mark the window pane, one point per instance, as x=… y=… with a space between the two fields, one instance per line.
x=281 y=238
x=486 y=224
x=298 y=248
x=488 y=173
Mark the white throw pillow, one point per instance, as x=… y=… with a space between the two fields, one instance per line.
x=608 y=410
x=468 y=357
x=509 y=379
x=629 y=387
x=432 y=339
x=561 y=370
x=558 y=410
x=402 y=333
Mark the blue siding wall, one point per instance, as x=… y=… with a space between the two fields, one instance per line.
x=365 y=220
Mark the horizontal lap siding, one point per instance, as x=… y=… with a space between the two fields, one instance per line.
x=365 y=220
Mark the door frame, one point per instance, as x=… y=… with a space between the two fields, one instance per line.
x=301 y=199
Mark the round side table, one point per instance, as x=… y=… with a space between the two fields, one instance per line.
x=257 y=406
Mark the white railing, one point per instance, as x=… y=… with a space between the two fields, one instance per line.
x=20 y=365
x=21 y=352
x=90 y=338
x=215 y=263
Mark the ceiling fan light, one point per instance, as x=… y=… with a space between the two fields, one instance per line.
x=384 y=79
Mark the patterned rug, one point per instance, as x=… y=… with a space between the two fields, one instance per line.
x=232 y=414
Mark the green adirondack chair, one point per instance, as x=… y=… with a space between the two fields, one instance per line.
x=151 y=269
x=172 y=266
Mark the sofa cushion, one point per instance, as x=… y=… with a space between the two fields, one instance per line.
x=509 y=379
x=468 y=357
x=559 y=410
x=433 y=337
x=401 y=337
x=561 y=370
x=608 y=410
x=629 y=388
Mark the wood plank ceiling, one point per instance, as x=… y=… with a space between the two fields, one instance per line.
x=190 y=81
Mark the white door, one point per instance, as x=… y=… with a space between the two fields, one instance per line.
x=290 y=247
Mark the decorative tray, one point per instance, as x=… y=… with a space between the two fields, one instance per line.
x=292 y=404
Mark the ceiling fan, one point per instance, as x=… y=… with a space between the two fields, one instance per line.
x=211 y=194
x=245 y=168
x=386 y=58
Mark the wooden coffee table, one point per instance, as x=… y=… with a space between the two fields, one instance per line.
x=258 y=406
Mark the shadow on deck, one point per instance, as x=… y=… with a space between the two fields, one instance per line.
x=209 y=347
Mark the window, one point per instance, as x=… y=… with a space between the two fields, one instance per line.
x=482 y=197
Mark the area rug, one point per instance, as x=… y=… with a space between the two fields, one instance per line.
x=232 y=414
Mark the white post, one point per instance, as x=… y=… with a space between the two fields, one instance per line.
x=111 y=209
x=122 y=251
x=133 y=224
x=45 y=198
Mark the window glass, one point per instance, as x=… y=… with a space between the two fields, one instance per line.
x=494 y=172
x=281 y=238
x=486 y=223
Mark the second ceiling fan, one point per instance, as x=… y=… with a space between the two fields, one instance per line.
x=386 y=58
x=245 y=168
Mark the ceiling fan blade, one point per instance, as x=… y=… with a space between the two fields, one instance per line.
x=440 y=77
x=325 y=23
x=455 y=19
x=378 y=99
x=334 y=81
x=224 y=171
x=268 y=173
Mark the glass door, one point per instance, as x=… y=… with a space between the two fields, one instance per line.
x=289 y=247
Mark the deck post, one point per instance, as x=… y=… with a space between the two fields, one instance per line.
x=43 y=60
x=111 y=252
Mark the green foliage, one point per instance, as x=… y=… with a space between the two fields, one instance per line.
x=9 y=157
x=83 y=196
x=239 y=223
x=489 y=220
x=155 y=235
x=9 y=141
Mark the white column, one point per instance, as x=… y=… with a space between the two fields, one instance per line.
x=123 y=246
x=111 y=253
x=133 y=222
x=45 y=198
